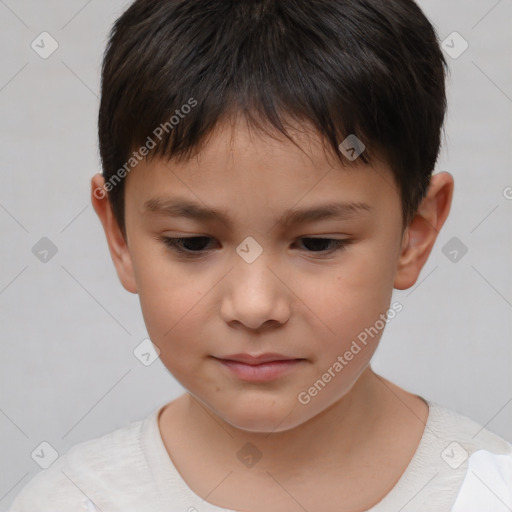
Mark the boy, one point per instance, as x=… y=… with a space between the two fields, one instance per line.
x=267 y=182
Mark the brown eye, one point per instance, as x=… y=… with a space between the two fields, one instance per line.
x=193 y=245
x=325 y=245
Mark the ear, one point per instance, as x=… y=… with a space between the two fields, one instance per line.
x=116 y=243
x=420 y=235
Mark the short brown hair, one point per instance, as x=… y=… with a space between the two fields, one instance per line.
x=372 y=68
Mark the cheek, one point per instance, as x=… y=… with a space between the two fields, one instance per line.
x=171 y=296
x=352 y=295
x=171 y=317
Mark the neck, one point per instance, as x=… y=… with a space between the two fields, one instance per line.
x=357 y=449
x=339 y=433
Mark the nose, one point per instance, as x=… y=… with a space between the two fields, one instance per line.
x=255 y=295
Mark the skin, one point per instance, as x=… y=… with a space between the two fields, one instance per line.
x=348 y=446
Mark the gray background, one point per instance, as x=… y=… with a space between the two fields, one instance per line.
x=68 y=328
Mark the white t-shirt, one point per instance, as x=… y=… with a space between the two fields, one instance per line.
x=458 y=467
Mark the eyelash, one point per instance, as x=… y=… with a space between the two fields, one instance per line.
x=174 y=244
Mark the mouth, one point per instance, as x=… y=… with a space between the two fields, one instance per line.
x=260 y=368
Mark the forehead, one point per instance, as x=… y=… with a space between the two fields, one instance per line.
x=254 y=172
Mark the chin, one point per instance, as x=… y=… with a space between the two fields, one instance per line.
x=264 y=417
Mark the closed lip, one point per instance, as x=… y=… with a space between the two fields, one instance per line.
x=254 y=360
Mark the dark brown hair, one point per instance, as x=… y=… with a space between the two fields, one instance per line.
x=173 y=69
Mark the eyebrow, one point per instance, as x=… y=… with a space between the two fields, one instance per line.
x=181 y=207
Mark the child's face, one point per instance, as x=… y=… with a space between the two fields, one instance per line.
x=300 y=299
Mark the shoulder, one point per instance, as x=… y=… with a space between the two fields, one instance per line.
x=463 y=437
x=481 y=458
x=449 y=422
x=114 y=461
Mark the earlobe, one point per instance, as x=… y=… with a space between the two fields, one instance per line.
x=421 y=234
x=117 y=244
